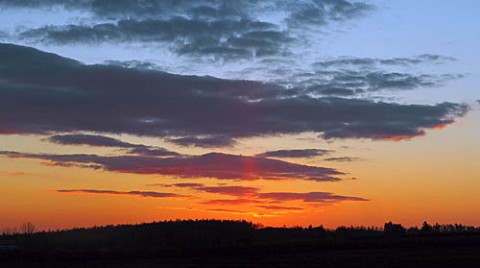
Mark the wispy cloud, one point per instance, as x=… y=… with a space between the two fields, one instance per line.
x=357 y=76
x=259 y=198
x=179 y=185
x=129 y=193
x=90 y=140
x=342 y=159
x=298 y=153
x=103 y=141
x=9 y=174
x=223 y=30
x=204 y=142
x=313 y=197
x=373 y=62
x=249 y=195
x=212 y=165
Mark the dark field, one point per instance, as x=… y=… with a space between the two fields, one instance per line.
x=242 y=244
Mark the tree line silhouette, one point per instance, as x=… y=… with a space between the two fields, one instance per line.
x=184 y=234
x=202 y=243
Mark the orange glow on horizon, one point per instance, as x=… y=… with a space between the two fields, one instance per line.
x=431 y=179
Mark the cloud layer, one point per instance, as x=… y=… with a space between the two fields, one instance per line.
x=342 y=159
x=207 y=74
x=265 y=199
x=351 y=76
x=225 y=30
x=313 y=197
x=90 y=140
x=253 y=193
x=298 y=153
x=103 y=141
x=212 y=165
x=62 y=95
x=130 y=193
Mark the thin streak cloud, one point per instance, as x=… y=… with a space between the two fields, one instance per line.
x=212 y=165
x=129 y=193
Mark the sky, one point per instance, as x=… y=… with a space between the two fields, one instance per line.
x=282 y=113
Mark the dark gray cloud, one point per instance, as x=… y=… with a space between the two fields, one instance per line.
x=353 y=82
x=226 y=30
x=3 y=36
x=152 y=151
x=300 y=153
x=342 y=159
x=131 y=193
x=180 y=185
x=212 y=165
x=135 y=64
x=321 y=12
x=41 y=3
x=372 y=62
x=62 y=95
x=143 y=8
x=204 y=142
x=316 y=197
x=326 y=9
x=90 y=140
x=224 y=38
x=348 y=76
x=103 y=141
x=378 y=81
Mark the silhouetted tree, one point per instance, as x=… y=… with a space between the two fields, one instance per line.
x=426 y=228
x=393 y=229
x=9 y=231
x=27 y=228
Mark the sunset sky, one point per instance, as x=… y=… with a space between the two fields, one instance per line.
x=288 y=112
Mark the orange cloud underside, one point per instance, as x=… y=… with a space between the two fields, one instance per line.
x=441 y=126
x=402 y=138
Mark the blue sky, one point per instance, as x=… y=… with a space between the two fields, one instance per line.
x=389 y=29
